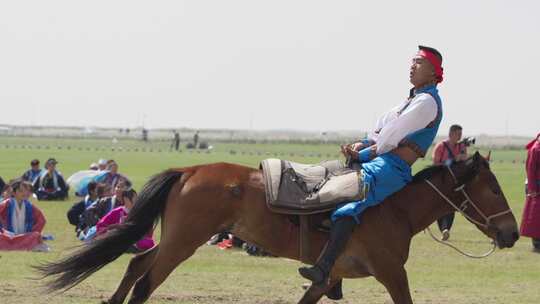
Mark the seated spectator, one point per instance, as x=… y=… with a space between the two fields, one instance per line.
x=103 y=206
x=113 y=177
x=102 y=164
x=4 y=187
x=34 y=172
x=21 y=222
x=94 y=166
x=51 y=185
x=118 y=215
x=75 y=214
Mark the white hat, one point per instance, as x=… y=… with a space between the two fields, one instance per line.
x=102 y=161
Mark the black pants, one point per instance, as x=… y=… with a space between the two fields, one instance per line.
x=446 y=221
x=536 y=244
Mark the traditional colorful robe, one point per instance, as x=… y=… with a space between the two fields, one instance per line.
x=22 y=232
x=117 y=216
x=530 y=223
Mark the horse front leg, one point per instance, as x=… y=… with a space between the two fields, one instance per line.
x=396 y=283
x=316 y=291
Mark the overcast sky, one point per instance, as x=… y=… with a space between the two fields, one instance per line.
x=308 y=65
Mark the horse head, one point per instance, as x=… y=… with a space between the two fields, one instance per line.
x=484 y=203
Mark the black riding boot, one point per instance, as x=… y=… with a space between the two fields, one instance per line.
x=339 y=235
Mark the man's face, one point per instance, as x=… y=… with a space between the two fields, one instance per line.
x=455 y=136
x=51 y=167
x=421 y=72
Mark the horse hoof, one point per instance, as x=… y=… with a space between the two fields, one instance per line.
x=336 y=292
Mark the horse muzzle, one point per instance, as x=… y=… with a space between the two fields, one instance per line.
x=507 y=238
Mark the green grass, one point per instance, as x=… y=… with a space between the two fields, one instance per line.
x=437 y=274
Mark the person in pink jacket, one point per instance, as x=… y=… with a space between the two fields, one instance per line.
x=530 y=223
x=117 y=216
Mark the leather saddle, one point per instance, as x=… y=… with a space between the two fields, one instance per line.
x=308 y=193
x=301 y=189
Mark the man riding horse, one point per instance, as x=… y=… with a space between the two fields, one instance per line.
x=402 y=135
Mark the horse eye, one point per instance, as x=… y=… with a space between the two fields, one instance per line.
x=496 y=191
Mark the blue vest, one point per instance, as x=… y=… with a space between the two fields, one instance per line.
x=421 y=140
x=28 y=216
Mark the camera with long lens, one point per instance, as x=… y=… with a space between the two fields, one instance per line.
x=467 y=141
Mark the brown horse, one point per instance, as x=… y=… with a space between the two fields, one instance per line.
x=195 y=203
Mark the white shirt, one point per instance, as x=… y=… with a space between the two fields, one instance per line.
x=392 y=127
x=18 y=219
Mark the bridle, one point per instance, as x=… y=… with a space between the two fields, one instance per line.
x=463 y=206
x=461 y=209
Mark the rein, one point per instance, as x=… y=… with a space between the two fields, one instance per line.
x=461 y=209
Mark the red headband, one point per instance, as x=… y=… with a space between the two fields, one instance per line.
x=435 y=62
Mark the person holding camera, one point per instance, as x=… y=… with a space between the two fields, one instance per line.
x=445 y=153
x=530 y=223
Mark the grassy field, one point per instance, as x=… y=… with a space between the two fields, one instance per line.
x=437 y=275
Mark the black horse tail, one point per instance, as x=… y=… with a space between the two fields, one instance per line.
x=144 y=215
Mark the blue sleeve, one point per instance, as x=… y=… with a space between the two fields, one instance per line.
x=365 y=155
x=366 y=142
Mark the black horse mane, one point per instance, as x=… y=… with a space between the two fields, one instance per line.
x=427 y=173
x=472 y=169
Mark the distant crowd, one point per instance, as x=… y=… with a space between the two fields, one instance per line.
x=107 y=197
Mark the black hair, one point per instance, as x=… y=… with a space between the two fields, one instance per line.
x=129 y=193
x=19 y=183
x=91 y=186
x=454 y=128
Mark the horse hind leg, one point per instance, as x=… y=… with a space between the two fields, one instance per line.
x=136 y=268
x=168 y=257
x=179 y=240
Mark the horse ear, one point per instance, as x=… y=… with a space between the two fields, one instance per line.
x=488 y=157
x=476 y=156
x=476 y=160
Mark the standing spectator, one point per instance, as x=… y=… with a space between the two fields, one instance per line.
x=445 y=153
x=51 y=185
x=196 y=140
x=21 y=223
x=34 y=172
x=176 y=141
x=530 y=223
x=145 y=134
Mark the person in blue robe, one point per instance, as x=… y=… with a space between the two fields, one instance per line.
x=33 y=173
